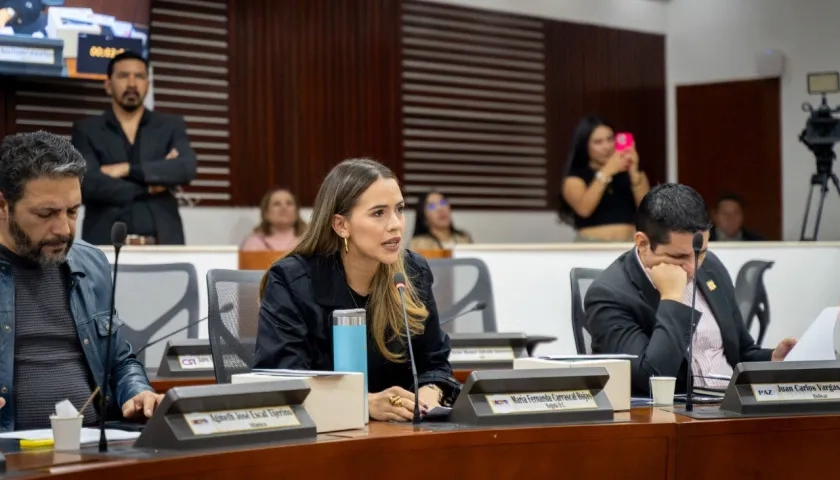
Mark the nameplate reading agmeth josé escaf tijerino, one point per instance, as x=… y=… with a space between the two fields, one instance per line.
x=481 y=354
x=227 y=421
x=541 y=402
x=796 y=392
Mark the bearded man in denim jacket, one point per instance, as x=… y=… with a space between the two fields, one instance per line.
x=55 y=295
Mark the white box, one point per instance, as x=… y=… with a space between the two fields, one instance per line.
x=617 y=388
x=335 y=402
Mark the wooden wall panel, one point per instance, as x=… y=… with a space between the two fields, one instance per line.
x=312 y=82
x=729 y=140
x=617 y=74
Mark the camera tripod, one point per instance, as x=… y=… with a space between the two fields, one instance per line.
x=821 y=178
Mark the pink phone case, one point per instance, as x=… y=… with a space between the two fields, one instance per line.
x=623 y=141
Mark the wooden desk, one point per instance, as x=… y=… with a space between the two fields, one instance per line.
x=644 y=446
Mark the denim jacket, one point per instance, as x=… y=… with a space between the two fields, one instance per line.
x=90 y=298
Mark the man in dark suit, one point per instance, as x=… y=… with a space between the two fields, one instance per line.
x=135 y=159
x=640 y=305
x=729 y=221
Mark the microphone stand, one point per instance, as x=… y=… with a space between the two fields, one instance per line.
x=697 y=244
x=103 y=410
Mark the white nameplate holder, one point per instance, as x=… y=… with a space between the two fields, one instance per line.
x=783 y=388
x=533 y=396
x=229 y=416
x=195 y=362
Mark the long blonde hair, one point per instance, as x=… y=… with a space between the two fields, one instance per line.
x=338 y=194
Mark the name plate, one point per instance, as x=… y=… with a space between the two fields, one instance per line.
x=212 y=423
x=481 y=354
x=195 y=362
x=42 y=56
x=541 y=402
x=796 y=392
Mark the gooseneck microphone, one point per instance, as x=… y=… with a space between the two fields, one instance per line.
x=478 y=307
x=399 y=282
x=697 y=246
x=224 y=309
x=118 y=233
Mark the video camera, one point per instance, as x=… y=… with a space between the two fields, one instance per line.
x=822 y=129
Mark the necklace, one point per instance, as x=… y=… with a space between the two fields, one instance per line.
x=353 y=298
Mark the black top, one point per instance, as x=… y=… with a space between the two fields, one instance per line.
x=617 y=206
x=101 y=141
x=138 y=214
x=295 y=324
x=49 y=363
x=624 y=314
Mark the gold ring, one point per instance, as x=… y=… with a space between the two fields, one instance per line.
x=395 y=400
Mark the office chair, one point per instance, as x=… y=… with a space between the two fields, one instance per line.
x=151 y=300
x=461 y=283
x=233 y=306
x=581 y=279
x=751 y=295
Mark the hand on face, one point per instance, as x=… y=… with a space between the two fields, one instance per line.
x=670 y=280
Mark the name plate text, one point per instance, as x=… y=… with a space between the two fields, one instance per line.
x=228 y=421
x=541 y=402
x=796 y=392
x=481 y=354
x=38 y=55
x=195 y=362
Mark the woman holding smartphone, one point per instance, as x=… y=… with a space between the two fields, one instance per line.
x=603 y=184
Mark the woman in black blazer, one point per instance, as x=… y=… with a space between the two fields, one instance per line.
x=347 y=259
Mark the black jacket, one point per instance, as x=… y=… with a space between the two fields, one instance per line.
x=295 y=325
x=101 y=142
x=625 y=315
x=746 y=236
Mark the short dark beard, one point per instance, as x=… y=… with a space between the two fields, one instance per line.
x=26 y=248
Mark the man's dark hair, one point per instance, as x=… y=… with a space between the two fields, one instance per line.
x=668 y=208
x=28 y=156
x=729 y=197
x=126 y=55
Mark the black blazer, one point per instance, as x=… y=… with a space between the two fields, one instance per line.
x=625 y=315
x=101 y=143
x=295 y=325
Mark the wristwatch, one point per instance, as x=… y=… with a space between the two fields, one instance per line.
x=604 y=178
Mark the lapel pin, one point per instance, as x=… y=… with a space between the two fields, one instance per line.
x=711 y=285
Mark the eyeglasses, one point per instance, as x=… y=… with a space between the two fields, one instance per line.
x=434 y=206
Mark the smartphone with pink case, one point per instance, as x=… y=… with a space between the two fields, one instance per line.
x=623 y=141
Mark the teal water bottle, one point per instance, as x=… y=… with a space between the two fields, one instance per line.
x=350 y=345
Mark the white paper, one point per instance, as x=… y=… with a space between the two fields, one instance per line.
x=600 y=356
x=65 y=409
x=818 y=342
x=89 y=435
x=282 y=372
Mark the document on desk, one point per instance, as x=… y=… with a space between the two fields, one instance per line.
x=820 y=340
x=89 y=435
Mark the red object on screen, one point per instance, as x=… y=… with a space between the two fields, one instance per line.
x=623 y=141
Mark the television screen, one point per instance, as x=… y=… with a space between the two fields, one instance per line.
x=70 y=38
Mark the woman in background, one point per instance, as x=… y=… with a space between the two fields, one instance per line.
x=347 y=259
x=602 y=187
x=280 y=223
x=433 y=227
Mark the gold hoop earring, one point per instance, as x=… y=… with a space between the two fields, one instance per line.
x=346 y=246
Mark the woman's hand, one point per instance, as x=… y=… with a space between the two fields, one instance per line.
x=616 y=164
x=429 y=397
x=631 y=156
x=394 y=404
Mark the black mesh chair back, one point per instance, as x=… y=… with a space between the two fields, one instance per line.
x=751 y=295
x=460 y=284
x=154 y=300
x=233 y=305
x=581 y=279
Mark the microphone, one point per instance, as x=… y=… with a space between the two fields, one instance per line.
x=399 y=282
x=697 y=246
x=224 y=309
x=118 y=233
x=478 y=307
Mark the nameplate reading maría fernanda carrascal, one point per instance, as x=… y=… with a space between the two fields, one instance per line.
x=533 y=402
x=796 y=392
x=250 y=419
